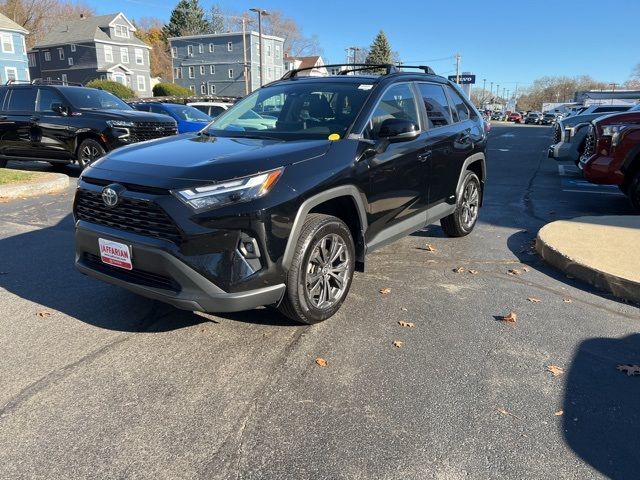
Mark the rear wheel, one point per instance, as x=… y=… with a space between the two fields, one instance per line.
x=633 y=192
x=464 y=218
x=321 y=270
x=89 y=151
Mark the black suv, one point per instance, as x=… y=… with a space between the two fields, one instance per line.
x=64 y=124
x=258 y=211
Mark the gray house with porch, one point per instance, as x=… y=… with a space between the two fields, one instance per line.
x=101 y=47
x=214 y=65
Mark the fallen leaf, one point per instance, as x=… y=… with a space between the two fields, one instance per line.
x=321 y=362
x=406 y=324
x=629 y=369
x=510 y=317
x=559 y=413
x=473 y=272
x=404 y=309
x=429 y=248
x=534 y=300
x=385 y=291
x=459 y=269
x=567 y=300
x=526 y=269
x=44 y=313
x=504 y=412
x=398 y=343
x=555 y=370
x=513 y=271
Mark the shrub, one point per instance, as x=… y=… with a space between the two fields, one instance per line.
x=116 y=88
x=170 y=90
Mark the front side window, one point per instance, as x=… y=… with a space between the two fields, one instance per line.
x=139 y=56
x=46 y=98
x=436 y=104
x=108 y=54
x=398 y=102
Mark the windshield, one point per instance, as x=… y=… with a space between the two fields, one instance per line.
x=91 y=98
x=636 y=108
x=294 y=110
x=187 y=113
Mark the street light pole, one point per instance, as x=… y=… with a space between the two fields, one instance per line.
x=260 y=13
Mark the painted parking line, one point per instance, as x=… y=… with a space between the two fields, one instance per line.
x=571 y=181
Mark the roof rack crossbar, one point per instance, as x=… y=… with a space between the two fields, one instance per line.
x=425 y=68
x=15 y=80
x=53 y=81
x=390 y=68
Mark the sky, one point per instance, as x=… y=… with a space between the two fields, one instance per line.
x=506 y=42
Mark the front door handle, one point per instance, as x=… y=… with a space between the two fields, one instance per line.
x=423 y=157
x=34 y=119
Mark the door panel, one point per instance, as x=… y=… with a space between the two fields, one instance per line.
x=16 y=137
x=52 y=136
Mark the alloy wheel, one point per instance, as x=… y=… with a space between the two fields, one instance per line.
x=470 y=204
x=327 y=272
x=90 y=153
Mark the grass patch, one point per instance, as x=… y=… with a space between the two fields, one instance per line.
x=14 y=176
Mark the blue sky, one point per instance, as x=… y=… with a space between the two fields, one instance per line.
x=500 y=40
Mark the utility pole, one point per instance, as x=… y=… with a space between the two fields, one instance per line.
x=458 y=57
x=260 y=13
x=484 y=90
x=491 y=92
x=244 y=54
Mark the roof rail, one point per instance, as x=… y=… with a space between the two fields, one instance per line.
x=11 y=82
x=53 y=81
x=351 y=67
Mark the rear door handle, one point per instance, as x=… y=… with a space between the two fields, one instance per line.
x=423 y=157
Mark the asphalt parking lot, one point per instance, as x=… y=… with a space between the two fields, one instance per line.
x=99 y=383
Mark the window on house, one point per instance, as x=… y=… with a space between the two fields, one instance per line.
x=201 y=48
x=108 y=54
x=230 y=46
x=47 y=56
x=141 y=83
x=192 y=72
x=211 y=47
x=192 y=88
x=277 y=51
x=202 y=69
x=73 y=47
x=190 y=50
x=268 y=50
x=203 y=89
x=11 y=73
x=124 y=55
x=32 y=59
x=269 y=73
x=7 y=43
x=178 y=73
x=70 y=60
x=64 y=78
x=61 y=53
x=174 y=52
x=122 y=31
x=231 y=73
x=212 y=89
x=139 y=56
x=212 y=69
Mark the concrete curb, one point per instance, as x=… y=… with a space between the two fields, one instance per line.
x=43 y=183
x=560 y=255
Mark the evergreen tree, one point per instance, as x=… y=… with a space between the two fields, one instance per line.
x=187 y=18
x=216 y=20
x=380 y=50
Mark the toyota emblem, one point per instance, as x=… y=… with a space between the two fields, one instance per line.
x=110 y=196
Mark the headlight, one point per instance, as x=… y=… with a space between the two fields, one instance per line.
x=233 y=191
x=568 y=133
x=614 y=131
x=120 y=123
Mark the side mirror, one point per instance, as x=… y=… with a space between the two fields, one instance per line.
x=398 y=130
x=60 y=109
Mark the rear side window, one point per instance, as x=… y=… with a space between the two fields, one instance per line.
x=458 y=106
x=436 y=103
x=22 y=100
x=397 y=102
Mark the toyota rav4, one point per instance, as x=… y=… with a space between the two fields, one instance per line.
x=241 y=215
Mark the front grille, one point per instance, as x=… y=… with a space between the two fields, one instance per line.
x=589 y=143
x=139 y=277
x=557 y=134
x=137 y=216
x=142 y=131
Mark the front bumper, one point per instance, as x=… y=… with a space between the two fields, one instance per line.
x=601 y=169
x=562 y=151
x=161 y=276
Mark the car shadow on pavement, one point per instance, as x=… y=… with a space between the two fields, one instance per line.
x=601 y=419
x=39 y=266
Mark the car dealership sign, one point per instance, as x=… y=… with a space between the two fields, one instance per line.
x=464 y=79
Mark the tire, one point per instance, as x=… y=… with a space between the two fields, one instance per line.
x=88 y=152
x=633 y=192
x=3 y=162
x=303 y=299
x=462 y=221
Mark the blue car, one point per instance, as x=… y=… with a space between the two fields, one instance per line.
x=189 y=119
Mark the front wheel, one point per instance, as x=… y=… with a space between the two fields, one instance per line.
x=321 y=270
x=465 y=216
x=89 y=151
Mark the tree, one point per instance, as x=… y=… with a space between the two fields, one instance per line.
x=380 y=50
x=119 y=90
x=149 y=30
x=216 y=19
x=187 y=18
x=171 y=90
x=556 y=89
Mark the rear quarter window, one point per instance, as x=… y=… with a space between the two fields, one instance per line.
x=22 y=100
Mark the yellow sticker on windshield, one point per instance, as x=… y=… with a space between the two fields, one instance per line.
x=334 y=136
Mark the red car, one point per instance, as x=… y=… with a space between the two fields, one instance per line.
x=514 y=117
x=612 y=153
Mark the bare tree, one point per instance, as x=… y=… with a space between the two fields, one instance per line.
x=556 y=89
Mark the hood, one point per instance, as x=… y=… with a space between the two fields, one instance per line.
x=177 y=161
x=126 y=115
x=577 y=119
x=619 y=117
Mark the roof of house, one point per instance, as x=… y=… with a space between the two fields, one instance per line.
x=87 y=29
x=8 y=24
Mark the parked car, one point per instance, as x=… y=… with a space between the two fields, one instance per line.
x=533 y=117
x=548 y=118
x=213 y=109
x=189 y=119
x=570 y=133
x=612 y=153
x=61 y=124
x=497 y=115
x=515 y=117
x=234 y=218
